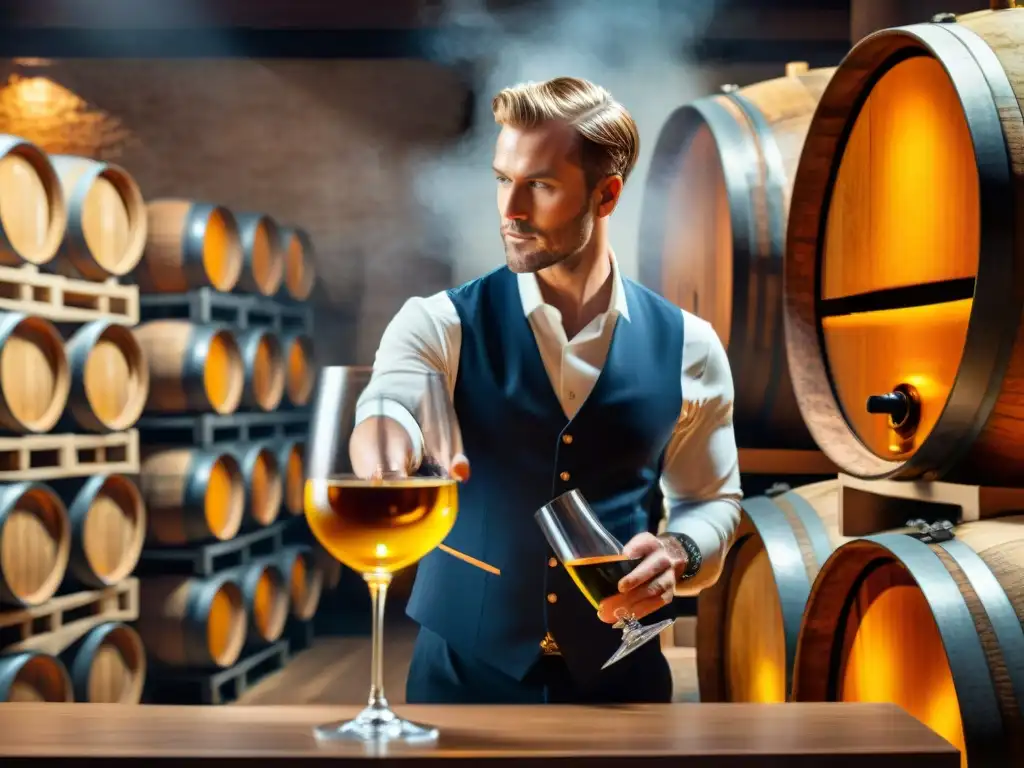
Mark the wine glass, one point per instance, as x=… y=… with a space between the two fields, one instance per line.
x=373 y=507
x=596 y=563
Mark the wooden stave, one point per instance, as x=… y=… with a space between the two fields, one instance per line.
x=771 y=420
x=10 y=322
x=182 y=641
x=177 y=244
x=57 y=228
x=315 y=578
x=820 y=645
x=305 y=341
x=249 y=342
x=73 y=256
x=248 y=577
x=185 y=386
x=287 y=290
x=283 y=448
x=77 y=349
x=10 y=494
x=793 y=567
x=969 y=442
x=248 y=456
x=189 y=525
x=12 y=664
x=249 y=226
x=78 y=659
x=79 y=494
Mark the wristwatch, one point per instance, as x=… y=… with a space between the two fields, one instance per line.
x=693 y=556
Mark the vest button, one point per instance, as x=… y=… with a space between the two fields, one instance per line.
x=567 y=439
x=552 y=562
x=552 y=597
x=565 y=477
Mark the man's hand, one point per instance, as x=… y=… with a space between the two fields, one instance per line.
x=651 y=585
x=370 y=454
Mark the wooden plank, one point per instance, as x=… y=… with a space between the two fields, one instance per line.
x=719 y=735
x=62 y=621
x=50 y=457
x=65 y=300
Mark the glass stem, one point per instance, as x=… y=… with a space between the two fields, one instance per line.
x=378 y=583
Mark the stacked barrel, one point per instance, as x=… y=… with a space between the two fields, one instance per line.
x=900 y=580
x=73 y=382
x=227 y=332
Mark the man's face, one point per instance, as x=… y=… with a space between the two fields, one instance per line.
x=546 y=212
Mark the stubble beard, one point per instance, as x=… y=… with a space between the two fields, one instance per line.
x=520 y=260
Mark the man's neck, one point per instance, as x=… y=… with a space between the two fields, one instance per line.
x=580 y=287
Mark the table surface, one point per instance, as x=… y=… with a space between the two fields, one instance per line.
x=719 y=735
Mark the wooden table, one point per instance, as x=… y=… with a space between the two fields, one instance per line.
x=680 y=735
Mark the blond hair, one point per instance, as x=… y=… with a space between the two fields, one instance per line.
x=610 y=138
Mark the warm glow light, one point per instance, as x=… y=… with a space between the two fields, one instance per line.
x=897 y=657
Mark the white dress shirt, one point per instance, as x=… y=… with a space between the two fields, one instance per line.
x=700 y=477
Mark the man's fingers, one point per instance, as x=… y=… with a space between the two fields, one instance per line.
x=651 y=604
x=460 y=468
x=642 y=545
x=657 y=591
x=653 y=565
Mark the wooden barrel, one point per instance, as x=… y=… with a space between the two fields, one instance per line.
x=713 y=234
x=34 y=377
x=189 y=245
x=30 y=677
x=192 y=622
x=108 y=665
x=35 y=543
x=749 y=620
x=933 y=627
x=299 y=367
x=108 y=527
x=107 y=222
x=263 y=363
x=305 y=579
x=109 y=377
x=291 y=460
x=330 y=566
x=264 y=260
x=191 y=495
x=299 y=263
x=192 y=368
x=265 y=597
x=905 y=208
x=263 y=485
x=33 y=214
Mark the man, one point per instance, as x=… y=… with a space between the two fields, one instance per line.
x=563 y=375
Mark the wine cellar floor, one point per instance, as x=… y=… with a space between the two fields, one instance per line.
x=336 y=670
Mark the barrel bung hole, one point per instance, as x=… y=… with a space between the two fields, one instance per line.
x=225 y=498
x=222 y=251
x=893 y=653
x=35 y=542
x=25 y=210
x=904 y=214
x=226 y=625
x=223 y=377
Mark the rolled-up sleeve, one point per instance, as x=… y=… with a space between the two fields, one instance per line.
x=700 y=479
x=424 y=336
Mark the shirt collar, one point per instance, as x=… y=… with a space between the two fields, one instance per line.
x=532 y=299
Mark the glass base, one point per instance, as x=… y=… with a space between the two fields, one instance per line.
x=378 y=725
x=634 y=638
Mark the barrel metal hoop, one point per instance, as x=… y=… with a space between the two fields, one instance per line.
x=791 y=580
x=808 y=516
x=775 y=201
x=73 y=245
x=193 y=241
x=979 y=711
x=1007 y=627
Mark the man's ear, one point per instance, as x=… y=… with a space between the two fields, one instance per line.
x=608 y=191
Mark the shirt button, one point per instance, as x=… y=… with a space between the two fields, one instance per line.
x=552 y=562
x=552 y=597
x=565 y=477
x=567 y=439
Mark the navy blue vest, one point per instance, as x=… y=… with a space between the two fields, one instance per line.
x=524 y=452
